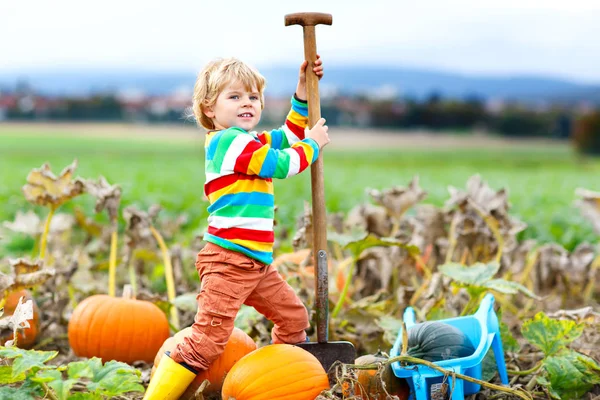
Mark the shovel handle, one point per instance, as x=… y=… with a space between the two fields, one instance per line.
x=319 y=215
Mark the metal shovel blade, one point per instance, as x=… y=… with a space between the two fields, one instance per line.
x=330 y=352
x=326 y=352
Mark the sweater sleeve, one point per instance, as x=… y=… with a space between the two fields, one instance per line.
x=292 y=131
x=235 y=150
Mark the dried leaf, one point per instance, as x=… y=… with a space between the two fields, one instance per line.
x=30 y=224
x=27 y=223
x=45 y=189
x=138 y=230
x=303 y=239
x=22 y=314
x=107 y=196
x=369 y=218
x=397 y=200
x=26 y=274
x=21 y=266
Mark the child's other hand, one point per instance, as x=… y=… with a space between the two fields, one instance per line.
x=318 y=69
x=319 y=133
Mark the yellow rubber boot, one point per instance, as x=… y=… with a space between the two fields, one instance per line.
x=170 y=380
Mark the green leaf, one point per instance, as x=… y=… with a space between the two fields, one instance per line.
x=550 y=335
x=360 y=241
x=45 y=376
x=477 y=274
x=246 y=318
x=114 y=378
x=186 y=302
x=509 y=343
x=79 y=369
x=489 y=367
x=54 y=379
x=570 y=374
x=16 y=393
x=509 y=287
x=390 y=326
x=6 y=375
x=24 y=360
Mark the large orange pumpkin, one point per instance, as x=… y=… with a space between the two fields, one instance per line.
x=369 y=385
x=27 y=337
x=276 y=371
x=117 y=328
x=238 y=345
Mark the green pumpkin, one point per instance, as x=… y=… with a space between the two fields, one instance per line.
x=436 y=341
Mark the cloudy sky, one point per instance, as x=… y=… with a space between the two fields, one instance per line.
x=486 y=37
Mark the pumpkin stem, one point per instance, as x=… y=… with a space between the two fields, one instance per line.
x=128 y=292
x=44 y=238
x=112 y=262
x=168 y=275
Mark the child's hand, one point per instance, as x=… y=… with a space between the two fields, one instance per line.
x=319 y=133
x=318 y=70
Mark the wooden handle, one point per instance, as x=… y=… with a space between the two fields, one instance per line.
x=319 y=211
x=319 y=219
x=308 y=19
x=314 y=114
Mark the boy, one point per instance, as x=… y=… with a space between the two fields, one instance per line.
x=234 y=266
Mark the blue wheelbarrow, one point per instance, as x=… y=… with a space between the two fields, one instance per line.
x=483 y=331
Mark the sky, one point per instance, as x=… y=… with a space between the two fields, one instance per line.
x=476 y=37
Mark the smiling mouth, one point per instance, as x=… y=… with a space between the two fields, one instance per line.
x=245 y=115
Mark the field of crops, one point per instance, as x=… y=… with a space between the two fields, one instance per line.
x=541 y=179
x=433 y=243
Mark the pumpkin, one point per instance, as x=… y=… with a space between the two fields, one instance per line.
x=122 y=329
x=436 y=341
x=370 y=382
x=238 y=345
x=276 y=371
x=27 y=337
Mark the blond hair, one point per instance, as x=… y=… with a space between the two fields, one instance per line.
x=214 y=77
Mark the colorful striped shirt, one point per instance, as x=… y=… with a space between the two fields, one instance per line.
x=239 y=169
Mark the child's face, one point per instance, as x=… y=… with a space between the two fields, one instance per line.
x=235 y=106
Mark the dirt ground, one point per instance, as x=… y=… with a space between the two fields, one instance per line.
x=341 y=137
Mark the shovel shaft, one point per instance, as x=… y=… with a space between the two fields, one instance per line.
x=319 y=216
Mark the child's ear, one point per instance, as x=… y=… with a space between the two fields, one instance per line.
x=208 y=111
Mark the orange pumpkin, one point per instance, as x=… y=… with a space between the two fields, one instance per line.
x=276 y=371
x=113 y=328
x=238 y=345
x=27 y=337
x=369 y=385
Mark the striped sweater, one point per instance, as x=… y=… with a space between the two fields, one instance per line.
x=239 y=169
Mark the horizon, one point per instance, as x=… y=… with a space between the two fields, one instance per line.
x=13 y=73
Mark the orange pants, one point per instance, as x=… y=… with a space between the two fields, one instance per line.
x=230 y=279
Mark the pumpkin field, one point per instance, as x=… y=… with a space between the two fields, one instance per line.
x=99 y=233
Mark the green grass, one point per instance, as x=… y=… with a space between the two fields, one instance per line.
x=541 y=180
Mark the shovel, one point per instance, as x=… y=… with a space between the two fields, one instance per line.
x=326 y=352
